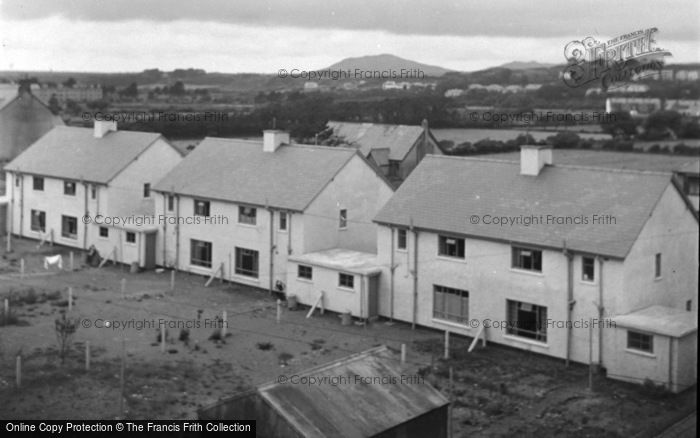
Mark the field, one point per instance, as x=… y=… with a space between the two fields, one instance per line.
x=496 y=391
x=473 y=135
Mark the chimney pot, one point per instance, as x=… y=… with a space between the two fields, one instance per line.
x=533 y=158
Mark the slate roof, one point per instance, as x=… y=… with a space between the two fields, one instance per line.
x=662 y=320
x=240 y=171
x=352 y=409
x=74 y=153
x=367 y=136
x=616 y=160
x=443 y=193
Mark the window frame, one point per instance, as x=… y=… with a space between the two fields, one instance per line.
x=584 y=259
x=170 y=203
x=343 y=219
x=247 y=215
x=516 y=256
x=66 y=185
x=38 y=181
x=241 y=270
x=348 y=284
x=402 y=235
x=65 y=219
x=40 y=214
x=283 y=221
x=129 y=234
x=539 y=334
x=444 y=247
x=444 y=313
x=308 y=268
x=658 y=266
x=146 y=190
x=99 y=233
x=641 y=340
x=196 y=244
x=206 y=208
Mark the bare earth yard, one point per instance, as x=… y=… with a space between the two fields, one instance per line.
x=496 y=391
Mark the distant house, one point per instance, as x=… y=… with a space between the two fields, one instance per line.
x=393 y=85
x=686 y=169
x=635 y=106
x=395 y=149
x=495 y=87
x=532 y=87
x=101 y=174
x=370 y=397
x=454 y=92
x=513 y=89
x=310 y=86
x=241 y=209
x=511 y=251
x=23 y=119
x=77 y=93
x=687 y=107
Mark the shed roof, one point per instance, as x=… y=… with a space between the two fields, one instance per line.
x=351 y=408
x=445 y=194
x=74 y=153
x=340 y=259
x=240 y=171
x=662 y=320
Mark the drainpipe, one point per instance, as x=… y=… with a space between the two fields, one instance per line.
x=391 y=277
x=272 y=246
x=21 y=205
x=670 y=363
x=87 y=211
x=415 y=275
x=569 y=300
x=177 y=233
x=601 y=310
x=165 y=226
x=289 y=233
x=11 y=216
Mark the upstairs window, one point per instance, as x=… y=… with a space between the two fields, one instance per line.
x=37 y=183
x=588 y=269
x=201 y=208
x=171 y=202
x=69 y=188
x=247 y=215
x=527 y=259
x=657 y=266
x=343 y=219
x=283 y=221
x=450 y=247
x=401 y=239
x=147 y=190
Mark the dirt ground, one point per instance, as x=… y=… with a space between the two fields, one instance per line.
x=496 y=391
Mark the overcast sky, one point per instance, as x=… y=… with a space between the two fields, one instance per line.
x=267 y=35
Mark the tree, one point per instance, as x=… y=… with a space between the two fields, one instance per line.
x=622 y=125
x=564 y=140
x=69 y=83
x=178 y=89
x=54 y=105
x=662 y=124
x=131 y=91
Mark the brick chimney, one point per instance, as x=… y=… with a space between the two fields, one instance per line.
x=103 y=127
x=534 y=158
x=273 y=139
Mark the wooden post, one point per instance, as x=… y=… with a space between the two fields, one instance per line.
x=121 y=378
x=221 y=276
x=172 y=280
x=279 y=310
x=87 y=355
x=224 y=323
x=447 y=344
x=18 y=371
x=162 y=338
x=71 y=261
x=7 y=307
x=123 y=284
x=9 y=242
x=70 y=298
x=590 y=354
x=403 y=354
x=21 y=268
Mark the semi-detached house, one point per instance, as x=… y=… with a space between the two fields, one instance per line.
x=83 y=187
x=536 y=252
x=240 y=209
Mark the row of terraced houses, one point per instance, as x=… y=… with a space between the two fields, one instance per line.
x=583 y=262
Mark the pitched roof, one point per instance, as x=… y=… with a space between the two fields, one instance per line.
x=351 y=408
x=662 y=320
x=367 y=136
x=446 y=194
x=240 y=171
x=74 y=153
x=616 y=160
x=341 y=259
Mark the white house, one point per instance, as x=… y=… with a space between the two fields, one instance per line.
x=535 y=252
x=81 y=187
x=241 y=209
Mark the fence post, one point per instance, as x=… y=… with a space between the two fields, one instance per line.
x=18 y=370
x=70 y=298
x=172 y=280
x=224 y=323
x=279 y=310
x=21 y=268
x=403 y=354
x=447 y=344
x=87 y=355
x=71 y=261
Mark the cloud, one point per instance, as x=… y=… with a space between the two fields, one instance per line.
x=675 y=20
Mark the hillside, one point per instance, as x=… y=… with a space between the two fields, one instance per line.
x=387 y=62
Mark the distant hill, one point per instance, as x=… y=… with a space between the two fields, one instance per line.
x=387 y=62
x=520 y=65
